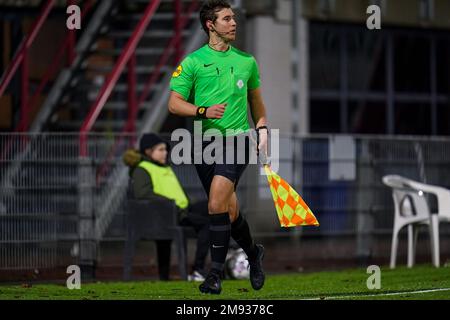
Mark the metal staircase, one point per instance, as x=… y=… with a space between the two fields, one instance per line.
x=99 y=60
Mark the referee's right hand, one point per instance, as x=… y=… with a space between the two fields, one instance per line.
x=216 y=111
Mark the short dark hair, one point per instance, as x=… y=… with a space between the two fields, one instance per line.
x=209 y=9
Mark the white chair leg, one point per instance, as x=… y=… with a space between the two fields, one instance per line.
x=434 y=238
x=394 y=248
x=416 y=235
x=410 y=245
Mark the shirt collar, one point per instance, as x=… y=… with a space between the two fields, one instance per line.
x=219 y=53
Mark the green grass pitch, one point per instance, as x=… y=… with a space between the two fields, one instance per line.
x=420 y=282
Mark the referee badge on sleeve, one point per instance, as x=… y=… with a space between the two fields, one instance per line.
x=177 y=72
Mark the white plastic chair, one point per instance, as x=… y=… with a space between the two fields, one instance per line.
x=412 y=210
x=442 y=214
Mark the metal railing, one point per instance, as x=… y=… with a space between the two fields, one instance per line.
x=49 y=212
x=21 y=57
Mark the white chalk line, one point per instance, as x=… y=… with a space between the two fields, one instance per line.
x=381 y=294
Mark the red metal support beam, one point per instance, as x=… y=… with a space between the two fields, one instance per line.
x=71 y=55
x=132 y=101
x=107 y=88
x=178 y=32
x=26 y=43
x=24 y=87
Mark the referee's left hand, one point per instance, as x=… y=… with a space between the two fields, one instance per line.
x=262 y=146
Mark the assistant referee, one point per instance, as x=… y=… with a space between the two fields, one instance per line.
x=216 y=84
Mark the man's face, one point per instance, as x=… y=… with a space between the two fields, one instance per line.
x=225 y=25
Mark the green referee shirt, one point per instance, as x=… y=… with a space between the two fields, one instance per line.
x=207 y=77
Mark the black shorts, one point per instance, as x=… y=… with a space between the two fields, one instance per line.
x=232 y=164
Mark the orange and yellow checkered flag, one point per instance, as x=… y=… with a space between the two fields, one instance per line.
x=292 y=210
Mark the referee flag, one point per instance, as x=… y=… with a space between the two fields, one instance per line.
x=292 y=210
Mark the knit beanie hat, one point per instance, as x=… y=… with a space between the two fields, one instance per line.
x=149 y=140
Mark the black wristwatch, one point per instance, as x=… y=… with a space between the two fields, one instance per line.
x=201 y=112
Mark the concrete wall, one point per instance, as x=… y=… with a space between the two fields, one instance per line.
x=270 y=42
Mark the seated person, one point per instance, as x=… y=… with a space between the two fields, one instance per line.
x=152 y=178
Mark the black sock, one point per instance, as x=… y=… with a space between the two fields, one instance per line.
x=219 y=233
x=240 y=232
x=202 y=248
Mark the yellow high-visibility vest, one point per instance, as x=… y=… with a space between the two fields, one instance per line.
x=165 y=183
